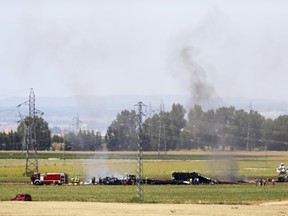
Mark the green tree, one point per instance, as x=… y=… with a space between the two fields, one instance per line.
x=89 y=141
x=121 y=135
x=97 y=141
x=57 y=139
x=42 y=132
x=192 y=134
x=83 y=141
x=279 y=134
x=152 y=130
x=174 y=123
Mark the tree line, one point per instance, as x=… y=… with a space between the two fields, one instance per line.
x=223 y=128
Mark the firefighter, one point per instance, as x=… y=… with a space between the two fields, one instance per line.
x=33 y=178
x=261 y=181
x=93 y=180
x=77 y=180
x=196 y=181
x=257 y=181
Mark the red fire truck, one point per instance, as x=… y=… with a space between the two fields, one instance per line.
x=49 y=178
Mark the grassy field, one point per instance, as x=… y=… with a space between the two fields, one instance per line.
x=173 y=194
x=218 y=165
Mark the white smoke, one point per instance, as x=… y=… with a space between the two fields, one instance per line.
x=107 y=167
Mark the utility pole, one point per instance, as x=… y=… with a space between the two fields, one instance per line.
x=161 y=131
x=77 y=122
x=29 y=143
x=248 y=145
x=64 y=147
x=139 y=190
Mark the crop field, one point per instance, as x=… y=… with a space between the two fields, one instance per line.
x=245 y=166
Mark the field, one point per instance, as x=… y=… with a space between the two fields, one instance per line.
x=131 y=209
x=169 y=198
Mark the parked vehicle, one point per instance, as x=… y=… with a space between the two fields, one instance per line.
x=22 y=197
x=49 y=178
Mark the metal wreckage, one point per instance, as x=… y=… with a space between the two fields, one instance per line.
x=177 y=178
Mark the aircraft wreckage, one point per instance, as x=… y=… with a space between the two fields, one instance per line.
x=192 y=178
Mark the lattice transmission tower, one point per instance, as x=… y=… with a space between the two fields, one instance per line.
x=139 y=190
x=162 y=147
x=29 y=141
x=248 y=144
x=77 y=123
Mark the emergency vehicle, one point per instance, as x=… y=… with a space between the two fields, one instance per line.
x=49 y=178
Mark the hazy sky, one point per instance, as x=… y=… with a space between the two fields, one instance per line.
x=109 y=47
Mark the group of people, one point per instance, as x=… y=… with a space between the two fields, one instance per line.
x=281 y=169
x=194 y=181
x=75 y=180
x=264 y=182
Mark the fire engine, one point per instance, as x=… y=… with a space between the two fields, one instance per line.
x=49 y=178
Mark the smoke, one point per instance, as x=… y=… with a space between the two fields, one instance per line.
x=202 y=92
x=196 y=62
x=195 y=55
x=101 y=166
x=200 y=89
x=224 y=167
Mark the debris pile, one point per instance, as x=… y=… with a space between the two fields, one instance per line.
x=127 y=180
x=177 y=178
x=192 y=178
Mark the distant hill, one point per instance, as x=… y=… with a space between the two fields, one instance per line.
x=98 y=112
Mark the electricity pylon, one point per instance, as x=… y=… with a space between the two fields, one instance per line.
x=248 y=144
x=29 y=143
x=139 y=191
x=161 y=132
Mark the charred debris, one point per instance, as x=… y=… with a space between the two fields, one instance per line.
x=177 y=178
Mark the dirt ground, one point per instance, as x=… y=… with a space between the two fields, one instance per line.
x=114 y=209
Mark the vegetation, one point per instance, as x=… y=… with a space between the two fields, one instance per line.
x=39 y=130
x=204 y=194
x=10 y=141
x=224 y=128
x=250 y=165
x=83 y=141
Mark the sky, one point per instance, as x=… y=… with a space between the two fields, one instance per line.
x=204 y=49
